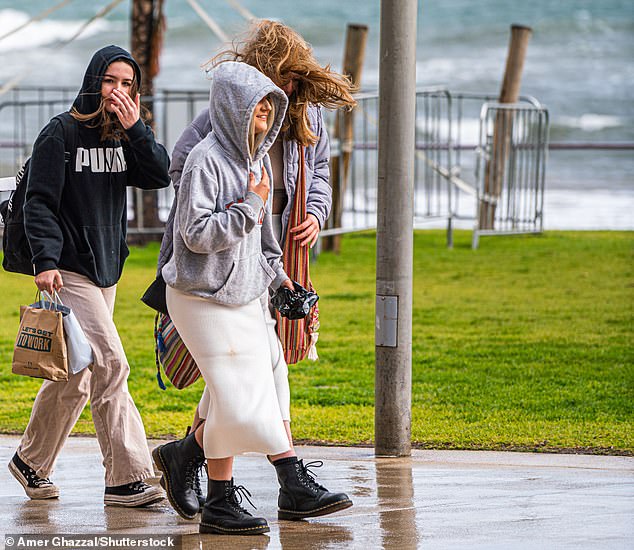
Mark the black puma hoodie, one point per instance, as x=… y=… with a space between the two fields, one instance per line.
x=75 y=210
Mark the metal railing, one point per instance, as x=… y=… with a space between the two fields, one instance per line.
x=433 y=198
x=25 y=111
x=448 y=176
x=510 y=169
x=445 y=183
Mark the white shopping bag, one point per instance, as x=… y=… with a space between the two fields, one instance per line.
x=78 y=349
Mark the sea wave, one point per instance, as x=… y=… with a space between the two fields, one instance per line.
x=41 y=33
x=591 y=122
x=569 y=127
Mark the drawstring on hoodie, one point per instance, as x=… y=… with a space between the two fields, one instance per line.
x=250 y=171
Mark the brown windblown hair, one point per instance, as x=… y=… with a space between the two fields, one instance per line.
x=108 y=122
x=282 y=54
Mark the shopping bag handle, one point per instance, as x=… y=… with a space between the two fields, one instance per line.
x=55 y=299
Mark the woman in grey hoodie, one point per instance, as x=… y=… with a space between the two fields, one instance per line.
x=284 y=56
x=224 y=261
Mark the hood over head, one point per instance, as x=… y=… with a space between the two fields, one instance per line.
x=89 y=96
x=236 y=89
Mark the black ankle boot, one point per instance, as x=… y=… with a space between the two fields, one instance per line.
x=223 y=515
x=300 y=495
x=180 y=462
x=196 y=484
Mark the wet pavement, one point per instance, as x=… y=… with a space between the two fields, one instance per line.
x=435 y=500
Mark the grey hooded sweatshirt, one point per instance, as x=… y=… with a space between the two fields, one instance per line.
x=223 y=244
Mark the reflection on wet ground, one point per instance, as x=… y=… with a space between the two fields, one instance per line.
x=397 y=512
x=435 y=499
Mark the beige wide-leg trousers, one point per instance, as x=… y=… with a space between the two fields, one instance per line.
x=57 y=407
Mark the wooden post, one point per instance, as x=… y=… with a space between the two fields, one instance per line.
x=510 y=92
x=356 y=38
x=147 y=24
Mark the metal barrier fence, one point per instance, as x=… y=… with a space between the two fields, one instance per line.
x=25 y=111
x=447 y=125
x=433 y=197
x=510 y=170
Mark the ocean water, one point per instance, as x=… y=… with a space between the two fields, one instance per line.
x=579 y=65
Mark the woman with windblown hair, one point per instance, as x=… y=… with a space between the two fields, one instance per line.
x=284 y=56
x=75 y=219
x=225 y=259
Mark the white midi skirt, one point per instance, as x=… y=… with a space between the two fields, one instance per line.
x=231 y=348
x=278 y=364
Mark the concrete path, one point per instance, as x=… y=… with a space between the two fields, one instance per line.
x=435 y=500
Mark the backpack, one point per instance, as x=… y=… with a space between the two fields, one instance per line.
x=15 y=245
x=17 y=253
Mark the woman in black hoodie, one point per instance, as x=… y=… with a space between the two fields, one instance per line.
x=75 y=221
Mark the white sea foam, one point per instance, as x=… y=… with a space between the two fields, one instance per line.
x=460 y=69
x=567 y=210
x=40 y=33
x=564 y=210
x=591 y=122
x=469 y=130
x=470 y=127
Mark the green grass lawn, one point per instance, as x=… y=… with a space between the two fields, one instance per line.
x=525 y=344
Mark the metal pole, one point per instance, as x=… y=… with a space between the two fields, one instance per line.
x=393 y=330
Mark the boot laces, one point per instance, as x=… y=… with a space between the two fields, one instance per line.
x=196 y=482
x=192 y=474
x=308 y=475
x=235 y=496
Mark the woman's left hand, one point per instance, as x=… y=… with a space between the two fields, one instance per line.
x=307 y=231
x=288 y=284
x=127 y=111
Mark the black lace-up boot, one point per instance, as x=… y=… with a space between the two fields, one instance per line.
x=300 y=495
x=196 y=481
x=181 y=461
x=223 y=513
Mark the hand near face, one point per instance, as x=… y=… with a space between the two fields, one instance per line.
x=125 y=108
x=307 y=231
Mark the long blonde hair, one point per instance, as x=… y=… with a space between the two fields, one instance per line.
x=282 y=54
x=108 y=122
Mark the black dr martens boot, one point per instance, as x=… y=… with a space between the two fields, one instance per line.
x=223 y=514
x=300 y=495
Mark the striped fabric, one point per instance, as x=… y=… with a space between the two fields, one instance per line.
x=299 y=338
x=171 y=354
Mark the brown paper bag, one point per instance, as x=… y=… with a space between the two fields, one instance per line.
x=40 y=347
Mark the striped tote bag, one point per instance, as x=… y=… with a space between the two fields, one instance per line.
x=298 y=338
x=171 y=354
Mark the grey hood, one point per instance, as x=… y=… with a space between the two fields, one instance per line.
x=224 y=248
x=236 y=88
